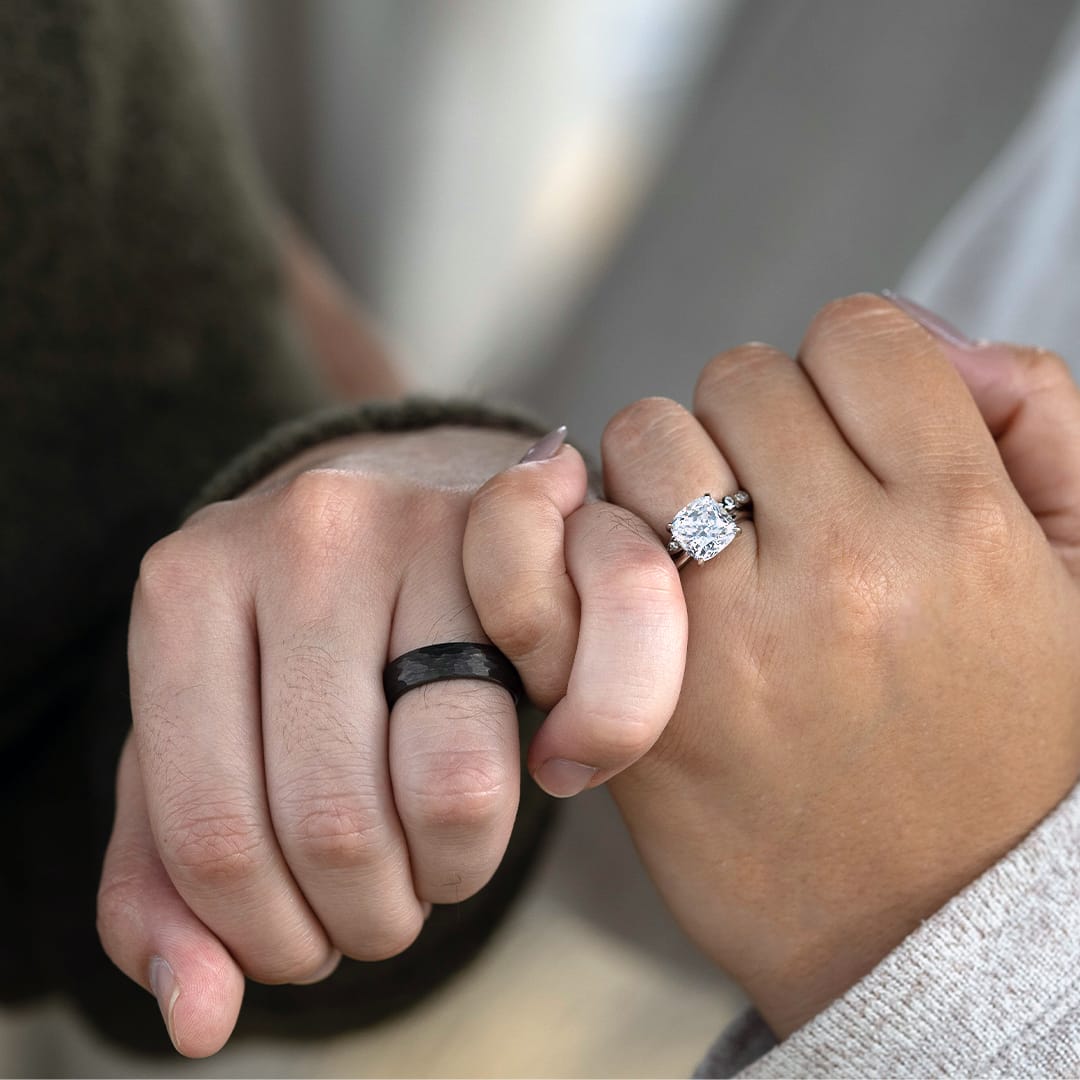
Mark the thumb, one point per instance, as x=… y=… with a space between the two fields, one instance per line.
x=1031 y=405
x=148 y=931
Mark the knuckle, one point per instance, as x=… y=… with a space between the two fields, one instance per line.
x=384 y=942
x=857 y=585
x=321 y=515
x=212 y=847
x=498 y=510
x=523 y=620
x=457 y=791
x=516 y=593
x=118 y=905
x=212 y=516
x=495 y=505
x=967 y=484
x=852 y=315
x=650 y=419
x=636 y=571
x=172 y=571
x=496 y=515
x=503 y=493
x=615 y=738
x=734 y=367
x=980 y=527
x=292 y=961
x=648 y=569
x=338 y=833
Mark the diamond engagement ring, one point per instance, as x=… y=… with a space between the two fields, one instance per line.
x=704 y=527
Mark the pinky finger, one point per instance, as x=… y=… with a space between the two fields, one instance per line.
x=628 y=668
x=516 y=572
x=151 y=935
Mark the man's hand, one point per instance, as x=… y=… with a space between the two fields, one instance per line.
x=881 y=695
x=271 y=815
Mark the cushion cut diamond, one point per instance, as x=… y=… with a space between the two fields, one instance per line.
x=703 y=528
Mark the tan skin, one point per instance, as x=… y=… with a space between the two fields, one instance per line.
x=881 y=696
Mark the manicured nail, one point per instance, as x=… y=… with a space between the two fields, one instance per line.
x=563 y=778
x=166 y=990
x=546 y=447
x=933 y=322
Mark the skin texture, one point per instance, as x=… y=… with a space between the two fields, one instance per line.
x=880 y=696
x=271 y=815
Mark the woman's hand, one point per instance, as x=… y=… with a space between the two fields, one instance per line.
x=881 y=695
x=270 y=814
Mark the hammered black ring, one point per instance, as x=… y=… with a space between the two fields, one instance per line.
x=450 y=660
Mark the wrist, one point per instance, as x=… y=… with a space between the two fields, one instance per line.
x=823 y=949
x=287 y=441
x=794 y=987
x=445 y=456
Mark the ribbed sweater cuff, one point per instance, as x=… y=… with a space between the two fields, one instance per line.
x=985 y=987
x=409 y=414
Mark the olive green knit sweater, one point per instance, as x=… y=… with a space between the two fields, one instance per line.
x=144 y=343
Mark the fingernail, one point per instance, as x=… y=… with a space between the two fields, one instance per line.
x=563 y=778
x=933 y=322
x=324 y=972
x=166 y=990
x=545 y=447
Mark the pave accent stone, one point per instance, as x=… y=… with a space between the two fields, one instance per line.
x=703 y=528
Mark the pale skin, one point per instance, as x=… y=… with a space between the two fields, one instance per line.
x=881 y=696
x=271 y=815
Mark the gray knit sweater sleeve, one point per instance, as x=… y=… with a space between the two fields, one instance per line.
x=988 y=986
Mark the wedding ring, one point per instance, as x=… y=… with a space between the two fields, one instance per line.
x=450 y=660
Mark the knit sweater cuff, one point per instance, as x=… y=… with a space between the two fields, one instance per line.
x=988 y=986
x=409 y=414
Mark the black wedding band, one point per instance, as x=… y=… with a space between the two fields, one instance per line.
x=450 y=660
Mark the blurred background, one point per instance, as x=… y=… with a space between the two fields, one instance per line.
x=575 y=203
x=571 y=204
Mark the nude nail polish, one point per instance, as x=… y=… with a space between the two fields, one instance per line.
x=545 y=447
x=931 y=321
